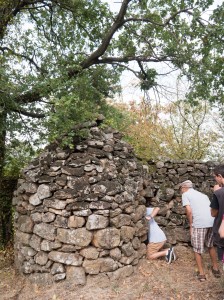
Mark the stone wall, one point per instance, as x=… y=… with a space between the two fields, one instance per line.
x=163 y=191
x=81 y=212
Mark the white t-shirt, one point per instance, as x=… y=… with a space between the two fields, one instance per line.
x=200 y=206
x=155 y=233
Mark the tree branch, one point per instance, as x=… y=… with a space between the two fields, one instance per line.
x=11 y=8
x=93 y=58
x=136 y=73
x=3 y=49
x=29 y=114
x=142 y=69
x=29 y=97
x=131 y=58
x=146 y=20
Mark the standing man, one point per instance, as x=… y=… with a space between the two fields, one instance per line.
x=217 y=209
x=197 y=207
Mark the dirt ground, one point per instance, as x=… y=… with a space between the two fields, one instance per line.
x=154 y=280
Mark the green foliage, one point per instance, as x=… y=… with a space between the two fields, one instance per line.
x=175 y=131
x=82 y=99
x=116 y=117
x=149 y=80
x=18 y=155
x=60 y=60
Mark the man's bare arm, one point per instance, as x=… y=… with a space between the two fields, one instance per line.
x=214 y=212
x=189 y=214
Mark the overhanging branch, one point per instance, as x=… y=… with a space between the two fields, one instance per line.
x=31 y=60
x=93 y=58
x=29 y=114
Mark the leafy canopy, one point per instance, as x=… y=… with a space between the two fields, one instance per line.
x=60 y=60
x=172 y=131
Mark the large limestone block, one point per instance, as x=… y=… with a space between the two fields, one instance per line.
x=127 y=233
x=57 y=268
x=108 y=187
x=22 y=238
x=80 y=237
x=55 y=203
x=90 y=252
x=127 y=249
x=25 y=224
x=107 y=238
x=139 y=213
x=45 y=231
x=97 y=222
x=43 y=191
x=35 y=242
x=76 y=222
x=41 y=258
x=99 y=265
x=27 y=187
x=73 y=259
x=120 y=220
x=121 y=273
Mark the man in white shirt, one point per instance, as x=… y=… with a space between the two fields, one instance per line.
x=157 y=238
x=197 y=207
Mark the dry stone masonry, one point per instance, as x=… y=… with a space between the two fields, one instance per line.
x=163 y=191
x=81 y=212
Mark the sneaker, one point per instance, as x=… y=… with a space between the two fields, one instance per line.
x=169 y=255
x=174 y=254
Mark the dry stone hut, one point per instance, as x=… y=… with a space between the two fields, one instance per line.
x=80 y=212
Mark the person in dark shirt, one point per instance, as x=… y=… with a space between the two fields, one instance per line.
x=217 y=209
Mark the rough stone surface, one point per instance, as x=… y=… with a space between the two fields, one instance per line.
x=106 y=238
x=76 y=275
x=66 y=258
x=80 y=211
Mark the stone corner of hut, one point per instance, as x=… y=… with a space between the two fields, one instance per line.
x=81 y=212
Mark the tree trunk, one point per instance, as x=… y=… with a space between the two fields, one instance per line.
x=3 y=117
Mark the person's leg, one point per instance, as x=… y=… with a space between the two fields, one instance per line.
x=211 y=250
x=197 y=241
x=159 y=254
x=220 y=253
x=198 y=259
x=153 y=250
x=212 y=253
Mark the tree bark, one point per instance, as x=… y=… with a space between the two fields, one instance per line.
x=3 y=117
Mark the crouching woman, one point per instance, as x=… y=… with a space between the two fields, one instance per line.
x=157 y=238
